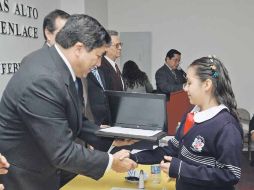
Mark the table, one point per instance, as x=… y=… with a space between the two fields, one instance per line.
x=113 y=179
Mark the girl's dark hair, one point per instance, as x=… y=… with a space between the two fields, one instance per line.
x=213 y=69
x=132 y=75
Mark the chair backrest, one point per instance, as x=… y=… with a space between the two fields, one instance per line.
x=244 y=115
x=251 y=125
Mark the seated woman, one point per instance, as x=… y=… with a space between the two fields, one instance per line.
x=205 y=153
x=135 y=80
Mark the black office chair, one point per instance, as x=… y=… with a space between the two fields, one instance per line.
x=244 y=117
x=251 y=128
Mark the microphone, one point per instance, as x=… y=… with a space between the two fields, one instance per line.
x=182 y=71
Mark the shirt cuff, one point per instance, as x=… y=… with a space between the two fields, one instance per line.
x=110 y=161
x=111 y=148
x=134 y=157
x=175 y=168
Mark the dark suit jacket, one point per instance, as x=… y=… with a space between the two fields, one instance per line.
x=99 y=107
x=40 y=117
x=98 y=100
x=113 y=82
x=166 y=81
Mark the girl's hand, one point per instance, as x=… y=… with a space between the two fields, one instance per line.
x=165 y=164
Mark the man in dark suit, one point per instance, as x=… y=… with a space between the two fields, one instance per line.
x=106 y=77
x=98 y=105
x=41 y=113
x=52 y=23
x=96 y=97
x=112 y=74
x=170 y=77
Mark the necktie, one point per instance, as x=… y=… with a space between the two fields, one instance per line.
x=76 y=85
x=188 y=123
x=118 y=72
x=174 y=73
x=79 y=88
x=97 y=76
x=87 y=109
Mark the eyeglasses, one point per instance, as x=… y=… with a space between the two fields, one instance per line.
x=118 y=45
x=176 y=60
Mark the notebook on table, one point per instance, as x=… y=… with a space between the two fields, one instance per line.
x=136 y=116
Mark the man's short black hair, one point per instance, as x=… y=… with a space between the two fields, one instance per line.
x=85 y=29
x=172 y=52
x=49 y=20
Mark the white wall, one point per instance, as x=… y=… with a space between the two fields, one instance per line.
x=95 y=8
x=196 y=28
x=73 y=7
x=13 y=48
x=98 y=9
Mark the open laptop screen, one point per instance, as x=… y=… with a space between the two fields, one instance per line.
x=138 y=110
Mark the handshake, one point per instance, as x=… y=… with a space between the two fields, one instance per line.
x=4 y=165
x=121 y=161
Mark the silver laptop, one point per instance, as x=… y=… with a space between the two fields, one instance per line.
x=136 y=116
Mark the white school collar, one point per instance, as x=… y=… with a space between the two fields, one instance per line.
x=201 y=116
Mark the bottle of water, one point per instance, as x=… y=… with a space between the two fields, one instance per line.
x=156 y=173
x=141 y=184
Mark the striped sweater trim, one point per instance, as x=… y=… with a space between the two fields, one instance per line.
x=210 y=161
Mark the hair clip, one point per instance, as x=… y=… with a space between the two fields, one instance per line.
x=211 y=58
x=215 y=73
x=213 y=67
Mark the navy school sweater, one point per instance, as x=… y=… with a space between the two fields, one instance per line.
x=206 y=158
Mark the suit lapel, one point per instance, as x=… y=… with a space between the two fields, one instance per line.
x=75 y=96
x=77 y=103
x=95 y=80
x=117 y=81
x=112 y=70
x=102 y=78
x=92 y=77
x=170 y=73
x=70 y=85
x=80 y=91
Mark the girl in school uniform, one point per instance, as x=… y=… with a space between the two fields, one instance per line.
x=205 y=152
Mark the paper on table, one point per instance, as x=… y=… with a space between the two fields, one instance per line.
x=131 y=131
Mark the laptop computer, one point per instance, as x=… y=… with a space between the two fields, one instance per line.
x=136 y=116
